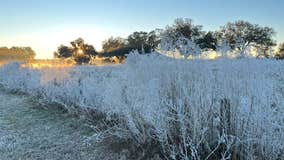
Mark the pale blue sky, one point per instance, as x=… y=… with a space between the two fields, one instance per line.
x=46 y=24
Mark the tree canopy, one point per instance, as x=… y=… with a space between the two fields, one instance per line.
x=141 y=41
x=208 y=40
x=112 y=44
x=186 y=28
x=241 y=34
x=79 y=51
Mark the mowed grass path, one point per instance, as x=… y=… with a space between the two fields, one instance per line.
x=33 y=133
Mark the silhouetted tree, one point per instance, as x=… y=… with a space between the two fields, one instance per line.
x=82 y=52
x=90 y=50
x=63 y=52
x=138 y=41
x=143 y=42
x=241 y=34
x=208 y=41
x=79 y=51
x=113 y=44
x=186 y=29
x=77 y=44
x=119 y=52
x=153 y=39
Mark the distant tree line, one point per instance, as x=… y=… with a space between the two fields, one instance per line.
x=238 y=35
x=17 y=53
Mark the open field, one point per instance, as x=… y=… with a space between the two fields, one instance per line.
x=162 y=107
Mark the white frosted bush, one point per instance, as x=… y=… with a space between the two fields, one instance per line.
x=16 y=78
x=194 y=109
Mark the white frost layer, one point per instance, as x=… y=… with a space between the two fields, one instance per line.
x=236 y=102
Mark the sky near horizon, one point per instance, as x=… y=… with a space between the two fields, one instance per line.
x=44 y=25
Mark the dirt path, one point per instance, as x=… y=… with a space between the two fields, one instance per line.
x=28 y=132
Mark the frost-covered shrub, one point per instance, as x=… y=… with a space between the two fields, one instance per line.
x=16 y=78
x=198 y=109
x=181 y=46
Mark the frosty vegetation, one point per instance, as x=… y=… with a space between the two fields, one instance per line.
x=237 y=39
x=180 y=108
x=170 y=108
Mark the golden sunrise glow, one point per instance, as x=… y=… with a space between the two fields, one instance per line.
x=80 y=51
x=68 y=63
x=44 y=47
x=213 y=55
x=1 y=63
x=40 y=64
